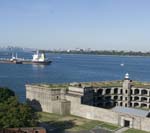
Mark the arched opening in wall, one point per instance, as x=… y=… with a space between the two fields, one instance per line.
x=144 y=92
x=136 y=104
x=116 y=91
x=100 y=98
x=100 y=92
x=131 y=98
x=126 y=123
x=108 y=98
x=115 y=97
x=136 y=91
x=143 y=105
x=125 y=104
x=121 y=98
x=108 y=105
x=148 y=115
x=57 y=97
x=130 y=104
x=136 y=98
x=120 y=103
x=115 y=104
x=131 y=92
x=36 y=131
x=100 y=105
x=108 y=91
x=121 y=91
x=144 y=99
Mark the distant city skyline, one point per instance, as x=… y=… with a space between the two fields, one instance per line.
x=70 y=24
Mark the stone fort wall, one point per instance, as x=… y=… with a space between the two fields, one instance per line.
x=90 y=112
x=106 y=115
x=47 y=99
x=56 y=100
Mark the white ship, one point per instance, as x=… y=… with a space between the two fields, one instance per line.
x=37 y=59
x=40 y=58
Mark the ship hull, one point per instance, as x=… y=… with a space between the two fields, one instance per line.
x=25 y=62
x=10 y=62
x=38 y=62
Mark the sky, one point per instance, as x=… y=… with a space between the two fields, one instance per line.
x=69 y=24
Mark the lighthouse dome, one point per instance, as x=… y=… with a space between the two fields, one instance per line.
x=126 y=76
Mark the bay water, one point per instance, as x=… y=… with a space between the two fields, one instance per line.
x=67 y=68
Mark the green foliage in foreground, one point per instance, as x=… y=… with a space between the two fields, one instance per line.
x=5 y=93
x=135 y=131
x=13 y=113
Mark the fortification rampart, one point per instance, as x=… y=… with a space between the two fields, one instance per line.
x=47 y=99
x=91 y=112
x=86 y=102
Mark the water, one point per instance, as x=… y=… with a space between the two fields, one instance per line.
x=73 y=68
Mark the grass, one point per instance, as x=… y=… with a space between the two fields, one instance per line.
x=45 y=117
x=142 y=108
x=141 y=84
x=53 y=86
x=135 y=131
x=117 y=83
x=87 y=125
x=104 y=84
x=73 y=123
x=109 y=126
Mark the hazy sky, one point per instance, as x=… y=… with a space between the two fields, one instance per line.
x=96 y=24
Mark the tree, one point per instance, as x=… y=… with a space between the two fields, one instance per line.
x=15 y=114
x=5 y=93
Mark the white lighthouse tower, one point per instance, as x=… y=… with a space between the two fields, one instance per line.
x=126 y=91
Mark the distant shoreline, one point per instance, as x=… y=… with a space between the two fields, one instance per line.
x=98 y=53
x=104 y=53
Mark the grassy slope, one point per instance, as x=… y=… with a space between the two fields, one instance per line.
x=77 y=123
x=135 y=131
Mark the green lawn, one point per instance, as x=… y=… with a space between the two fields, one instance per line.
x=109 y=126
x=73 y=123
x=105 y=84
x=135 y=131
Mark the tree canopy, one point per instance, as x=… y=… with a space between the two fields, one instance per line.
x=13 y=113
x=5 y=93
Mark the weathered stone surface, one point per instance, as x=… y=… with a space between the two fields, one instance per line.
x=58 y=100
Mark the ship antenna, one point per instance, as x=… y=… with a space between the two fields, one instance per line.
x=12 y=55
x=37 y=52
x=16 y=56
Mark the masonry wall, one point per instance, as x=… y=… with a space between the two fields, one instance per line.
x=96 y=113
x=145 y=124
x=39 y=98
x=61 y=107
x=91 y=112
x=47 y=99
x=61 y=103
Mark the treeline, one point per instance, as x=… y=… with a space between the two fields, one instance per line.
x=14 y=114
x=103 y=52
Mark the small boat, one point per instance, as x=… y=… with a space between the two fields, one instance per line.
x=122 y=64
